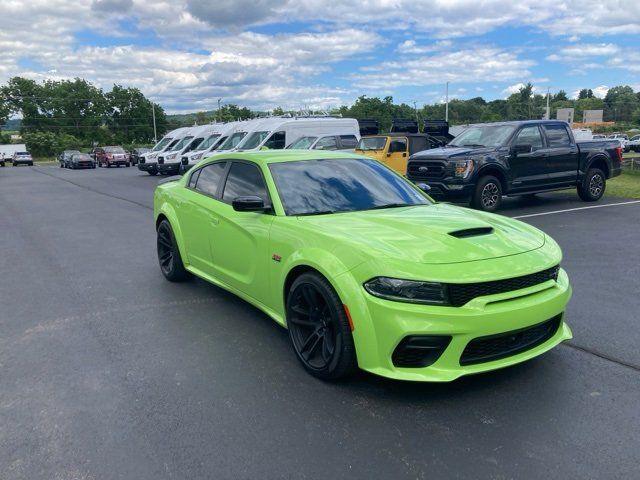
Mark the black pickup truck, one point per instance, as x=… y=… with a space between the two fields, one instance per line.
x=490 y=160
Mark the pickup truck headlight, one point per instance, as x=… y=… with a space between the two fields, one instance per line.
x=409 y=291
x=463 y=169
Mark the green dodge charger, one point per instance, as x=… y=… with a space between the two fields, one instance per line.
x=362 y=267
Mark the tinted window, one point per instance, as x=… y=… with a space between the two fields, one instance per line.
x=244 y=179
x=194 y=178
x=276 y=141
x=209 y=178
x=324 y=186
x=529 y=136
x=557 y=136
x=326 y=143
x=398 y=145
x=348 y=141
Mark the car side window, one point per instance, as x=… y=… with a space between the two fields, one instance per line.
x=276 y=141
x=194 y=178
x=348 y=141
x=530 y=136
x=326 y=143
x=557 y=136
x=209 y=179
x=398 y=145
x=244 y=179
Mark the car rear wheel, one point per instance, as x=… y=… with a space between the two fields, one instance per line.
x=319 y=329
x=168 y=254
x=593 y=185
x=488 y=194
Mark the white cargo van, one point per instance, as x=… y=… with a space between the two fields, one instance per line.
x=169 y=162
x=209 y=146
x=277 y=132
x=147 y=162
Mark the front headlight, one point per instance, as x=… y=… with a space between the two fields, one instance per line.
x=463 y=169
x=172 y=156
x=410 y=291
x=197 y=156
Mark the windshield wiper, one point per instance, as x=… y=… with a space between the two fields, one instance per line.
x=473 y=145
x=391 y=205
x=319 y=212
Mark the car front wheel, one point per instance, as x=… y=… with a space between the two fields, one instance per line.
x=593 y=185
x=319 y=329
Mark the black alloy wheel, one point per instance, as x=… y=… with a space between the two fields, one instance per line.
x=171 y=264
x=593 y=187
x=488 y=194
x=319 y=329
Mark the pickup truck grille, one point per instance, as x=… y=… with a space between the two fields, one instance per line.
x=426 y=170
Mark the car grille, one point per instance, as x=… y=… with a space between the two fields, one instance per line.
x=495 y=347
x=461 y=293
x=426 y=170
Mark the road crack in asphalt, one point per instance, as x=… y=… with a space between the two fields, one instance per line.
x=603 y=356
x=110 y=195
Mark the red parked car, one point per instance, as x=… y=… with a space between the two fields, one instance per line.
x=110 y=156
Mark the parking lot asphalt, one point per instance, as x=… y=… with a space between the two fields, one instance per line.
x=109 y=371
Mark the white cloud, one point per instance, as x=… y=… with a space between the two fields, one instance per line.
x=473 y=65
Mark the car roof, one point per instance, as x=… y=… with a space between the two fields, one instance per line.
x=264 y=157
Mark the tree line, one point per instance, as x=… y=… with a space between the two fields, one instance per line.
x=64 y=114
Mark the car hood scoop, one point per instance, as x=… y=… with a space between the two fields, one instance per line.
x=472 y=232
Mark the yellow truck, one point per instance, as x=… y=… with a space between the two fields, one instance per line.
x=395 y=148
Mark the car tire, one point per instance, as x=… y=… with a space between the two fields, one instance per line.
x=593 y=185
x=488 y=194
x=127 y=164
x=169 y=258
x=319 y=329
x=15 y=164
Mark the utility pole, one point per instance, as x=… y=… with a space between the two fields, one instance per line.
x=415 y=109
x=548 y=117
x=153 y=113
x=218 y=111
x=446 y=108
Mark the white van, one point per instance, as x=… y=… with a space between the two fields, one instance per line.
x=236 y=135
x=209 y=146
x=169 y=162
x=277 y=132
x=147 y=162
x=340 y=142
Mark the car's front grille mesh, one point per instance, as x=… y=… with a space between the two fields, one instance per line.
x=461 y=293
x=421 y=170
x=495 y=347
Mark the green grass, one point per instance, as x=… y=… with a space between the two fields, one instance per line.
x=626 y=185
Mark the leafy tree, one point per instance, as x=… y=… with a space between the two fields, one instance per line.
x=130 y=115
x=620 y=103
x=561 y=96
x=585 y=93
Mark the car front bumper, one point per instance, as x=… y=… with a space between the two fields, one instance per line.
x=148 y=167
x=450 y=192
x=169 y=168
x=381 y=325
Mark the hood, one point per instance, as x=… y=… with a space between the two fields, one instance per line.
x=422 y=234
x=452 y=152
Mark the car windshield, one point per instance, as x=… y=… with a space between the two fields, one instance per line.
x=303 y=143
x=182 y=143
x=253 y=140
x=22 y=153
x=113 y=149
x=81 y=156
x=161 y=144
x=72 y=152
x=314 y=187
x=208 y=142
x=483 y=136
x=372 y=143
x=232 y=141
x=221 y=141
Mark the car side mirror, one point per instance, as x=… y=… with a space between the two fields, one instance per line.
x=521 y=148
x=249 y=203
x=424 y=187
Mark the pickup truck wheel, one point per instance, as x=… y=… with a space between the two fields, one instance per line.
x=593 y=185
x=488 y=194
x=168 y=254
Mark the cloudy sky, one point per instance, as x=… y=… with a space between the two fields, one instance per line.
x=186 y=54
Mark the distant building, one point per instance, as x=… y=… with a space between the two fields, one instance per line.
x=592 y=116
x=11 y=148
x=565 y=114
